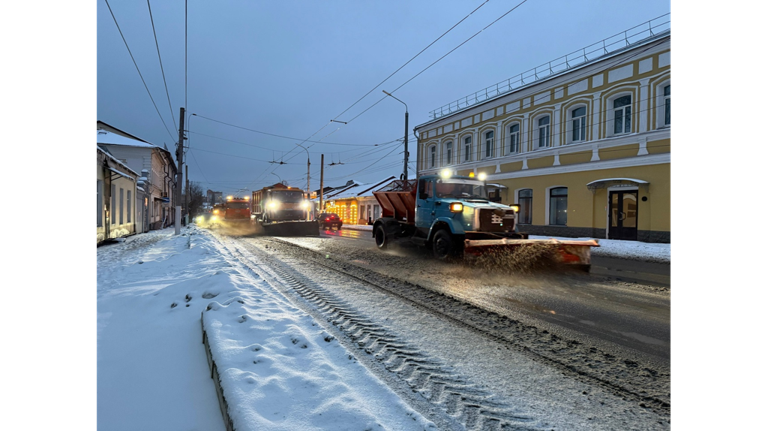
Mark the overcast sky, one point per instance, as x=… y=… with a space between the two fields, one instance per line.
x=287 y=68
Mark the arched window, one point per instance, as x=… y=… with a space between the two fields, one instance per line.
x=579 y=124
x=525 y=200
x=449 y=152
x=667 y=102
x=489 y=144
x=544 y=132
x=558 y=206
x=468 y=149
x=622 y=115
x=514 y=139
x=432 y=156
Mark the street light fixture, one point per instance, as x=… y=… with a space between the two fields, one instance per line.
x=405 y=162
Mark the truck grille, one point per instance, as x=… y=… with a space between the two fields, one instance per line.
x=491 y=222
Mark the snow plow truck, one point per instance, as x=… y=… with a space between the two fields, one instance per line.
x=453 y=216
x=281 y=210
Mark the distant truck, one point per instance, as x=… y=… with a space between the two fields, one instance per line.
x=237 y=209
x=283 y=210
x=453 y=216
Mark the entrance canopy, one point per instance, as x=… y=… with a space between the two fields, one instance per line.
x=609 y=182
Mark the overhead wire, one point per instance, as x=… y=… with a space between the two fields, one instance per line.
x=162 y=71
x=138 y=70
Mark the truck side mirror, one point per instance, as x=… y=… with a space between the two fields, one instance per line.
x=496 y=199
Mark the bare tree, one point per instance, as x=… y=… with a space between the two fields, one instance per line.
x=196 y=198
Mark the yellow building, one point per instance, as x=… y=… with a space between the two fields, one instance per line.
x=584 y=150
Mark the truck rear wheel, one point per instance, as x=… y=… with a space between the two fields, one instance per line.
x=443 y=245
x=380 y=234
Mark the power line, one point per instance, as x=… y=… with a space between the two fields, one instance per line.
x=137 y=69
x=154 y=33
x=436 y=61
x=412 y=58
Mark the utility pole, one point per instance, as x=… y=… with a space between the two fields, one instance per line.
x=186 y=196
x=405 y=164
x=322 y=165
x=179 y=175
x=405 y=140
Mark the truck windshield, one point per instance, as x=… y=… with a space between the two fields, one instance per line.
x=238 y=205
x=458 y=188
x=288 y=196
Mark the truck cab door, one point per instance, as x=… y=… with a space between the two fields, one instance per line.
x=425 y=205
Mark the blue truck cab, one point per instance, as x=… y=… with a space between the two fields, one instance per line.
x=442 y=212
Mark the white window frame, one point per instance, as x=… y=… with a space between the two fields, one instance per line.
x=548 y=196
x=547 y=128
x=449 y=153
x=514 y=136
x=489 y=144
x=432 y=156
x=611 y=120
x=661 y=105
x=467 y=140
x=570 y=124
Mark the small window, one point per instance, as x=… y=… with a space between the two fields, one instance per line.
x=468 y=149
x=489 y=144
x=448 y=153
x=667 y=101
x=622 y=115
x=525 y=200
x=579 y=124
x=558 y=206
x=544 y=132
x=514 y=138
x=128 y=206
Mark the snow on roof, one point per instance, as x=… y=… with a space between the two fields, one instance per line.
x=109 y=138
x=111 y=157
x=358 y=190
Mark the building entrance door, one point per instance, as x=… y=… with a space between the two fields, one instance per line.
x=623 y=215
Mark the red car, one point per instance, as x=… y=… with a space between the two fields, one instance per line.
x=329 y=221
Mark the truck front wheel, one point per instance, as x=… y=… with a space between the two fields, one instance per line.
x=443 y=246
x=381 y=237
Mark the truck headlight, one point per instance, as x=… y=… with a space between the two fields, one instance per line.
x=457 y=207
x=515 y=208
x=272 y=204
x=214 y=218
x=305 y=204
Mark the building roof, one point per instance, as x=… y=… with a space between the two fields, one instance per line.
x=109 y=138
x=357 y=190
x=122 y=165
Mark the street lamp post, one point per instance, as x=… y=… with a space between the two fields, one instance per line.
x=405 y=162
x=278 y=177
x=307 y=168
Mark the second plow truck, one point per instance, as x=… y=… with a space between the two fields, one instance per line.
x=280 y=210
x=453 y=216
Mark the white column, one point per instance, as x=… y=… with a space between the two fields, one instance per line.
x=524 y=144
x=596 y=117
x=643 y=106
x=556 y=127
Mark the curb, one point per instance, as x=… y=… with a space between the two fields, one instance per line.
x=216 y=380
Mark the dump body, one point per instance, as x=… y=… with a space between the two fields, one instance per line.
x=453 y=216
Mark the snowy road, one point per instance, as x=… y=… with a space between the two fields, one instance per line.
x=529 y=376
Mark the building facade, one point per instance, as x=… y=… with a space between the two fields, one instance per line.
x=586 y=151
x=156 y=166
x=117 y=198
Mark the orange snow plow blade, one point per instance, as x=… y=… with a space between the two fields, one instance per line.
x=570 y=252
